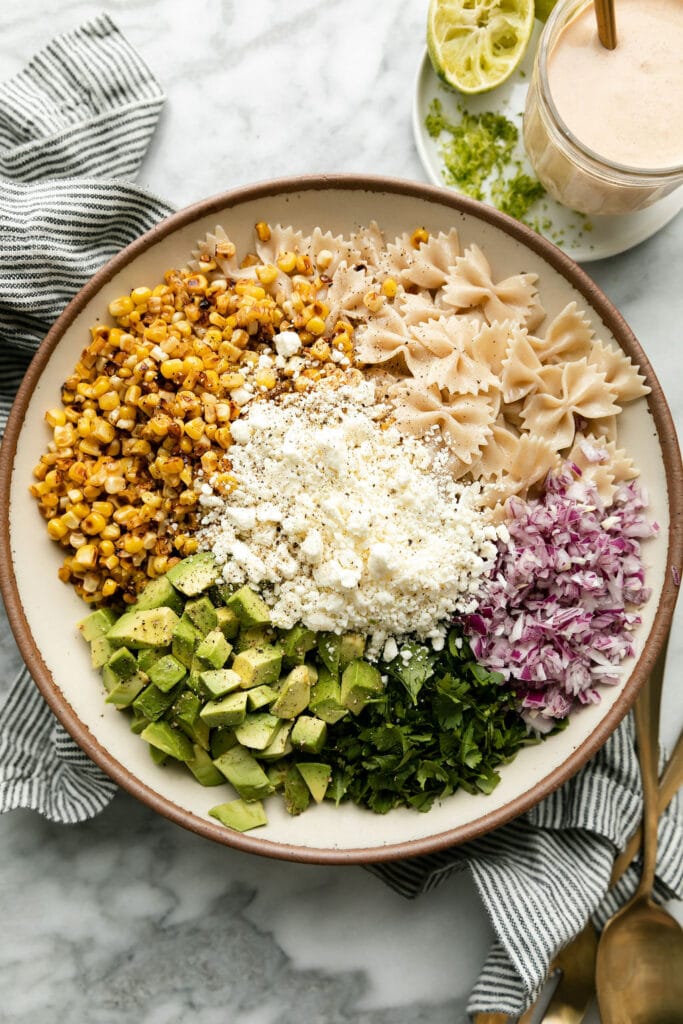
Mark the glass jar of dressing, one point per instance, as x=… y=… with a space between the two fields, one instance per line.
x=603 y=129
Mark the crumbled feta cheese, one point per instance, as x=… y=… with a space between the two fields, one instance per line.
x=287 y=343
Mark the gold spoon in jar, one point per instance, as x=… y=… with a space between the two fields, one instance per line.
x=607 y=24
x=639 y=968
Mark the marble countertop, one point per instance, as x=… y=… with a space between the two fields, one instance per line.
x=128 y=918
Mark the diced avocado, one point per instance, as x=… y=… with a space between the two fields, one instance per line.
x=325 y=699
x=146 y=658
x=228 y=623
x=296 y=643
x=109 y=679
x=157 y=755
x=97 y=623
x=329 y=646
x=100 y=651
x=159 y=593
x=202 y=614
x=249 y=608
x=240 y=815
x=317 y=777
x=203 y=768
x=214 y=649
x=294 y=693
x=277 y=773
x=122 y=663
x=296 y=793
x=257 y=731
x=186 y=714
x=126 y=692
x=223 y=738
x=360 y=682
x=153 y=702
x=258 y=665
x=280 y=743
x=166 y=672
x=309 y=734
x=230 y=710
x=253 y=636
x=194 y=574
x=260 y=696
x=164 y=737
x=185 y=640
x=136 y=629
x=138 y=723
x=216 y=682
x=351 y=646
x=244 y=773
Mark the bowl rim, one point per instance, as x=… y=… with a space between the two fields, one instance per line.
x=658 y=407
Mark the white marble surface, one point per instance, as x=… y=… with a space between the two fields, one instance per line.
x=128 y=918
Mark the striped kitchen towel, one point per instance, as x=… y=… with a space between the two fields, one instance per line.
x=74 y=127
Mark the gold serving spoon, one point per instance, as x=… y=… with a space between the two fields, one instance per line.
x=639 y=967
x=607 y=24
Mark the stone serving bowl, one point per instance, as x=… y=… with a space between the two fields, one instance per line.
x=43 y=612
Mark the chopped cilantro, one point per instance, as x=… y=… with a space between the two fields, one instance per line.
x=444 y=723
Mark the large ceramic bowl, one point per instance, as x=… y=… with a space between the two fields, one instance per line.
x=43 y=611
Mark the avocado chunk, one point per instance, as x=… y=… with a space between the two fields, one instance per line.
x=227 y=622
x=153 y=702
x=125 y=692
x=325 y=699
x=296 y=793
x=122 y=663
x=351 y=646
x=230 y=710
x=240 y=814
x=294 y=694
x=258 y=665
x=203 y=768
x=249 y=608
x=136 y=629
x=360 y=683
x=138 y=723
x=223 y=738
x=218 y=681
x=194 y=574
x=309 y=734
x=260 y=696
x=253 y=636
x=159 y=593
x=185 y=640
x=100 y=651
x=317 y=777
x=296 y=643
x=214 y=649
x=202 y=614
x=257 y=730
x=162 y=736
x=166 y=672
x=186 y=715
x=146 y=658
x=280 y=745
x=244 y=773
x=98 y=623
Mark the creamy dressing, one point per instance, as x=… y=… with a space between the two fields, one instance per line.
x=624 y=104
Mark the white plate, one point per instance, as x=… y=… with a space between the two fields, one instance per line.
x=583 y=238
x=43 y=611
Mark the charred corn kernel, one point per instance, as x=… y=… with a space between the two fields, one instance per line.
x=64 y=436
x=191 y=545
x=112 y=531
x=196 y=283
x=50 y=502
x=140 y=295
x=195 y=428
x=109 y=587
x=151 y=498
x=209 y=462
x=56 y=529
x=89 y=447
x=320 y=350
x=389 y=288
x=230 y=381
x=93 y=523
x=225 y=249
x=114 y=484
x=224 y=483
x=73 y=494
x=419 y=236
x=76 y=539
x=132 y=544
x=240 y=338
x=286 y=261
x=185 y=445
x=262 y=230
x=223 y=411
x=108 y=401
x=86 y=556
x=156 y=331
x=343 y=343
x=70 y=521
x=223 y=437
x=171 y=367
x=121 y=307
x=103 y=432
x=267 y=273
x=373 y=301
x=302 y=383
x=187 y=498
x=90 y=492
x=172 y=466
x=303 y=264
x=55 y=417
x=106 y=548
x=315 y=326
